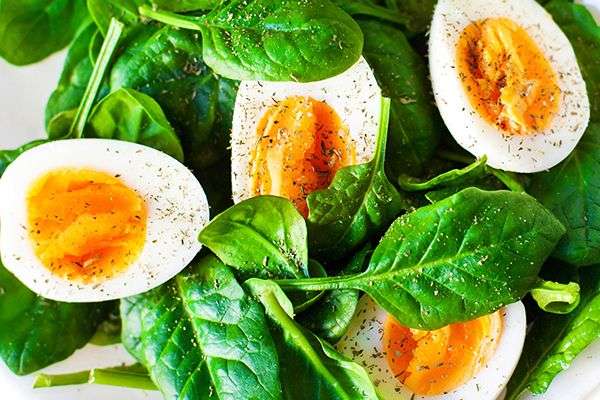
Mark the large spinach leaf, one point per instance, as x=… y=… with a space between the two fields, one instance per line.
x=201 y=334
x=167 y=65
x=32 y=30
x=275 y=40
x=476 y=250
x=264 y=236
x=359 y=202
x=402 y=75
x=134 y=117
x=555 y=340
x=36 y=332
x=310 y=367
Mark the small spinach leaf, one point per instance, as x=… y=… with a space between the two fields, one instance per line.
x=556 y=298
x=402 y=76
x=477 y=250
x=310 y=367
x=455 y=177
x=359 y=203
x=264 y=236
x=134 y=117
x=555 y=340
x=267 y=39
x=32 y=30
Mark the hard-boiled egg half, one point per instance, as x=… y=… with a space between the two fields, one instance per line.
x=507 y=82
x=91 y=219
x=471 y=360
x=289 y=139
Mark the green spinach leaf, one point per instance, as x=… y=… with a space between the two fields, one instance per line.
x=126 y=11
x=359 y=203
x=555 y=340
x=8 y=156
x=264 y=236
x=476 y=250
x=310 y=367
x=402 y=76
x=275 y=40
x=556 y=298
x=134 y=117
x=452 y=178
x=32 y=30
x=416 y=15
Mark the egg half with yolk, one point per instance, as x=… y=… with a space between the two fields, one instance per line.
x=92 y=219
x=289 y=139
x=507 y=82
x=469 y=360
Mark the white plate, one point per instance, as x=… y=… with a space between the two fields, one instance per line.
x=23 y=95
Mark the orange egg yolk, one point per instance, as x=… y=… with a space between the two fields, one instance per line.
x=436 y=362
x=507 y=78
x=85 y=225
x=301 y=144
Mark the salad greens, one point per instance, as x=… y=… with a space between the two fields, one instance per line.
x=556 y=298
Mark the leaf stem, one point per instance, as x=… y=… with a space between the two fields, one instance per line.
x=170 y=18
x=384 y=124
x=315 y=284
x=127 y=377
x=115 y=30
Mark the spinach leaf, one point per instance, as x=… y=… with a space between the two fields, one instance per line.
x=310 y=367
x=37 y=332
x=73 y=79
x=359 y=202
x=134 y=117
x=571 y=191
x=167 y=65
x=32 y=30
x=402 y=76
x=555 y=340
x=102 y=11
x=8 y=156
x=264 y=236
x=368 y=8
x=109 y=330
x=579 y=25
x=330 y=318
x=416 y=15
x=556 y=298
x=201 y=334
x=476 y=250
x=455 y=177
x=267 y=39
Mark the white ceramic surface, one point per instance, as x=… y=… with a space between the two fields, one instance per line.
x=23 y=95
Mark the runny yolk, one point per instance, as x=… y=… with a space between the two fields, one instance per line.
x=507 y=78
x=301 y=143
x=435 y=362
x=85 y=225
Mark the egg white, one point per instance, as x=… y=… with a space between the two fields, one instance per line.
x=519 y=153
x=363 y=343
x=354 y=95
x=177 y=211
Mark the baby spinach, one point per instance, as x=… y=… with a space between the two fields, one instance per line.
x=102 y=11
x=134 y=117
x=402 y=76
x=415 y=15
x=37 y=332
x=555 y=340
x=555 y=297
x=369 y=8
x=275 y=40
x=476 y=250
x=310 y=367
x=198 y=103
x=359 y=202
x=32 y=30
x=264 y=236
x=178 y=332
x=455 y=177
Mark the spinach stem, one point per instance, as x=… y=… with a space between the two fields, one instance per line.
x=384 y=124
x=172 y=19
x=315 y=284
x=121 y=377
x=115 y=30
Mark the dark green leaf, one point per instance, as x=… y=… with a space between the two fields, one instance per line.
x=310 y=367
x=556 y=298
x=359 y=203
x=264 y=236
x=402 y=75
x=476 y=250
x=267 y=39
x=134 y=117
x=35 y=332
x=452 y=178
x=109 y=330
x=555 y=340
x=416 y=14
x=32 y=30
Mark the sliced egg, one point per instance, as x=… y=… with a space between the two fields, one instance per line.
x=507 y=82
x=471 y=360
x=289 y=139
x=91 y=219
